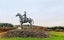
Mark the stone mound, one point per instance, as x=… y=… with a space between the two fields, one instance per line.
x=27 y=33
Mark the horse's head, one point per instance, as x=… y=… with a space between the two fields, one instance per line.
x=17 y=14
x=20 y=16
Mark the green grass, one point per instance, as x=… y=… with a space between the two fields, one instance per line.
x=54 y=36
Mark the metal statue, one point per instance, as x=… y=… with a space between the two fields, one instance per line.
x=24 y=19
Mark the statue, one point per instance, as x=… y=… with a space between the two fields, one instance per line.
x=24 y=19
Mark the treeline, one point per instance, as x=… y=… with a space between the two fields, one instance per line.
x=56 y=27
x=6 y=25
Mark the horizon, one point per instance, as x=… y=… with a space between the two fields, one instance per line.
x=43 y=12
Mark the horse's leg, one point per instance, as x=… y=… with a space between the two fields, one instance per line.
x=30 y=25
x=21 y=25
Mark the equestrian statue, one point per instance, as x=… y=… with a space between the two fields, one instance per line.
x=24 y=19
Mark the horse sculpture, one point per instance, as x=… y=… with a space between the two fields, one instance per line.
x=24 y=19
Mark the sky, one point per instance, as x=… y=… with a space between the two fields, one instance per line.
x=43 y=12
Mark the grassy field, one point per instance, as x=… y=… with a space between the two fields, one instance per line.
x=54 y=36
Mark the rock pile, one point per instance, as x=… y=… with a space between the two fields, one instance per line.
x=27 y=33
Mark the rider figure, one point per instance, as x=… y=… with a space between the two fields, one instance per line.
x=25 y=18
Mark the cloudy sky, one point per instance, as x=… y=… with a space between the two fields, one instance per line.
x=44 y=12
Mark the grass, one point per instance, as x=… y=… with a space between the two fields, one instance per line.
x=54 y=36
